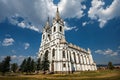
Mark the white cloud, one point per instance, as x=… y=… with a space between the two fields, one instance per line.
x=103 y=15
x=22 y=24
x=17 y=58
x=13 y=57
x=69 y=28
x=34 y=28
x=84 y=23
x=27 y=25
x=107 y=52
x=26 y=46
x=71 y=9
x=8 y=42
x=37 y=11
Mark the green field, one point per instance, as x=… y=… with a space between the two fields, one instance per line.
x=88 y=75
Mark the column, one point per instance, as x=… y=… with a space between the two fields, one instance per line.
x=86 y=62
x=83 y=62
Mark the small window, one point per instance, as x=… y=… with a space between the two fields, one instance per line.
x=60 y=28
x=49 y=37
x=43 y=36
x=54 y=29
x=63 y=54
x=64 y=65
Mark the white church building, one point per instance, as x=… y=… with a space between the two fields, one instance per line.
x=64 y=57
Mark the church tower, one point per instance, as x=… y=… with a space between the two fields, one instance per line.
x=46 y=35
x=57 y=27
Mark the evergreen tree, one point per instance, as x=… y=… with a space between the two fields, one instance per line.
x=5 y=65
x=38 y=64
x=28 y=65
x=33 y=66
x=110 y=66
x=14 y=67
x=23 y=67
x=45 y=64
x=0 y=66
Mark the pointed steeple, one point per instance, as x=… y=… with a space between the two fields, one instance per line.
x=57 y=17
x=47 y=26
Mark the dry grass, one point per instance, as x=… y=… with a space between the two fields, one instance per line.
x=91 y=75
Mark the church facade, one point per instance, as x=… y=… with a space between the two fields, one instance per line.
x=63 y=56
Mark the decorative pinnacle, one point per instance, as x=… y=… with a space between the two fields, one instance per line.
x=47 y=24
x=57 y=14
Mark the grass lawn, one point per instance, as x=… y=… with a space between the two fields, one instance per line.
x=87 y=75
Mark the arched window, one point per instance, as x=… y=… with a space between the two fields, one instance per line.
x=53 y=52
x=54 y=29
x=60 y=28
x=74 y=57
x=63 y=54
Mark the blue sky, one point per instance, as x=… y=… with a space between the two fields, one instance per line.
x=93 y=24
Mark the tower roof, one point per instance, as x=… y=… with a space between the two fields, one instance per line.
x=63 y=41
x=57 y=17
x=47 y=26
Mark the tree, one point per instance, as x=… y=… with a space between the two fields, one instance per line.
x=14 y=67
x=45 y=64
x=5 y=65
x=33 y=66
x=0 y=66
x=23 y=66
x=110 y=66
x=28 y=65
x=38 y=64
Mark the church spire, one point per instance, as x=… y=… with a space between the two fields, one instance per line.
x=47 y=26
x=57 y=15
